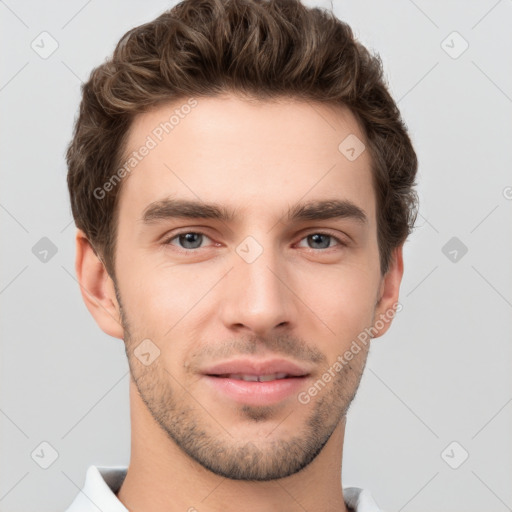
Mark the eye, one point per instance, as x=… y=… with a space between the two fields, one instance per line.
x=192 y=240
x=187 y=240
x=322 y=240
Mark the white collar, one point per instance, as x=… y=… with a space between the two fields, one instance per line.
x=102 y=483
x=98 y=492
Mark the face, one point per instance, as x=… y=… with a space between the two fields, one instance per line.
x=247 y=264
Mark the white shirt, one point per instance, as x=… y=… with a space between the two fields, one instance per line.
x=101 y=484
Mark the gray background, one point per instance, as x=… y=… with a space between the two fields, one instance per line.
x=442 y=372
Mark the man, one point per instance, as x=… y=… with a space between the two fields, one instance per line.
x=242 y=184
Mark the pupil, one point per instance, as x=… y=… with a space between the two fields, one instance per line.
x=316 y=239
x=190 y=238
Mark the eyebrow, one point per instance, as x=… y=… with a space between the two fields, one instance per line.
x=303 y=211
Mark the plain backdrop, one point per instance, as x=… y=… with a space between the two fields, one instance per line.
x=430 y=427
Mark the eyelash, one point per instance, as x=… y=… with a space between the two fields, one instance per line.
x=168 y=240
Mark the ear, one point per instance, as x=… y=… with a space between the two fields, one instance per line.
x=97 y=288
x=387 y=305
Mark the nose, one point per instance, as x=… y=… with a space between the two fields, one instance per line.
x=257 y=295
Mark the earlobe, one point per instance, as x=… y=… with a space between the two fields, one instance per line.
x=97 y=288
x=386 y=307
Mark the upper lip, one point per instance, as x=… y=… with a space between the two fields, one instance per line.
x=257 y=367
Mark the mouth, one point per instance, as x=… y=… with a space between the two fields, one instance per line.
x=257 y=378
x=254 y=382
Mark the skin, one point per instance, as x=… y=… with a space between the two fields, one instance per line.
x=303 y=299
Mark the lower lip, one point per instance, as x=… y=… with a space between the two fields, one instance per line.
x=257 y=393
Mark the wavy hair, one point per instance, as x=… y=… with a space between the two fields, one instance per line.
x=264 y=49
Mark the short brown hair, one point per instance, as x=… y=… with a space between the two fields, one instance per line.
x=264 y=49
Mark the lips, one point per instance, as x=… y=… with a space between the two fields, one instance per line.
x=257 y=370
x=256 y=381
x=255 y=378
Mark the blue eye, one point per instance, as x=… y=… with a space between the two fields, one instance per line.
x=189 y=240
x=323 y=240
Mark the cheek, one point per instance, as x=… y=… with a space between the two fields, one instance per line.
x=161 y=299
x=342 y=299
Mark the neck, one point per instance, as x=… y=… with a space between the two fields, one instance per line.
x=161 y=477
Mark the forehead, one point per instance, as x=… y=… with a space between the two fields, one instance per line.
x=245 y=154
